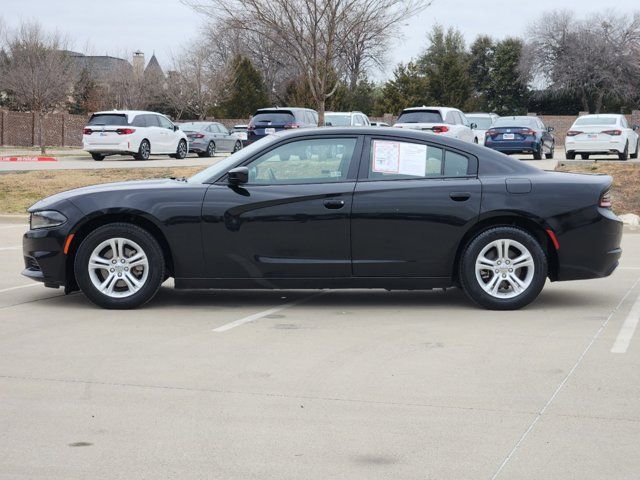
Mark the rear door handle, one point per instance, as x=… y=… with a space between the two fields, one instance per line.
x=460 y=196
x=334 y=204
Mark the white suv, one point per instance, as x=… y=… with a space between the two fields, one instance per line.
x=450 y=122
x=137 y=133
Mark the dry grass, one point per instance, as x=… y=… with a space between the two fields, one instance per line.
x=19 y=190
x=626 y=183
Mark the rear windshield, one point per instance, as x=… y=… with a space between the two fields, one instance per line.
x=483 y=123
x=596 y=121
x=420 y=116
x=273 y=117
x=530 y=122
x=108 y=119
x=337 y=120
x=193 y=126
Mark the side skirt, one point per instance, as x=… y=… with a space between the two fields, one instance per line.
x=389 y=283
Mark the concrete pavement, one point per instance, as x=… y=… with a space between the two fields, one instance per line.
x=346 y=384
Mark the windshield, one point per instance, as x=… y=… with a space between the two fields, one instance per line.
x=586 y=121
x=420 y=116
x=483 y=123
x=273 y=117
x=218 y=169
x=530 y=122
x=108 y=119
x=193 y=126
x=337 y=120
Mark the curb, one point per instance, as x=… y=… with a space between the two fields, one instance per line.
x=17 y=218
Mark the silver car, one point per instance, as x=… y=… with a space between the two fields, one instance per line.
x=207 y=138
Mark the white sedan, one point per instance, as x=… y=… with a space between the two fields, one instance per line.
x=602 y=134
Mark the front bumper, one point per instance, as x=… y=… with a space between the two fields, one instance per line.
x=44 y=258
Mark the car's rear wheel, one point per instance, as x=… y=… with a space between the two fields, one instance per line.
x=181 y=150
x=571 y=155
x=635 y=155
x=98 y=157
x=584 y=156
x=624 y=155
x=210 y=151
x=503 y=268
x=537 y=154
x=144 y=150
x=119 y=266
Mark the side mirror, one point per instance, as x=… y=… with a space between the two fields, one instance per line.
x=550 y=129
x=474 y=126
x=238 y=175
x=176 y=128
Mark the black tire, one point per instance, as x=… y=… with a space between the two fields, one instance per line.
x=551 y=153
x=152 y=250
x=584 y=156
x=467 y=270
x=210 y=152
x=475 y=140
x=635 y=155
x=571 y=155
x=144 y=151
x=181 y=150
x=98 y=157
x=237 y=146
x=537 y=154
x=625 y=154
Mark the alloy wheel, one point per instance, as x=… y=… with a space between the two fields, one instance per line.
x=504 y=268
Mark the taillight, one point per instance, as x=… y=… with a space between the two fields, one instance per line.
x=605 y=199
x=251 y=128
x=291 y=125
x=490 y=133
x=87 y=131
x=614 y=133
x=574 y=133
x=527 y=132
x=440 y=129
x=125 y=131
x=197 y=135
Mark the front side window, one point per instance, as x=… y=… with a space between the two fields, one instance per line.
x=323 y=160
x=164 y=122
x=393 y=160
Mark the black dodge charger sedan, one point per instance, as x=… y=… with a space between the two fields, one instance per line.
x=332 y=208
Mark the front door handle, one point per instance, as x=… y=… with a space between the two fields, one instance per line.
x=334 y=204
x=460 y=196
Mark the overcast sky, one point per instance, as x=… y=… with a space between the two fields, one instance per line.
x=161 y=26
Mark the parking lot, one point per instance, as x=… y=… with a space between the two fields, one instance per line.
x=333 y=384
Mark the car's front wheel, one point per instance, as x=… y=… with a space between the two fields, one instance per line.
x=119 y=266
x=503 y=268
x=237 y=146
x=549 y=155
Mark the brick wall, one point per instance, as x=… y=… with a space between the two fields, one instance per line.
x=20 y=129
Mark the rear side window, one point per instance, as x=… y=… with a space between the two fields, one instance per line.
x=108 y=119
x=393 y=160
x=420 y=116
x=272 y=117
x=152 y=120
x=139 y=121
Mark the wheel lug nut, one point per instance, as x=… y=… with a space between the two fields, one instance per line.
x=122 y=260
x=511 y=269
x=113 y=269
x=121 y=275
x=113 y=261
x=508 y=262
x=504 y=275
x=126 y=269
x=497 y=271
x=498 y=262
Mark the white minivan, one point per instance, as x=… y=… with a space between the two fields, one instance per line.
x=446 y=121
x=137 y=133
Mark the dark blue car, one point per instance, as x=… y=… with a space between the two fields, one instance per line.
x=267 y=121
x=521 y=135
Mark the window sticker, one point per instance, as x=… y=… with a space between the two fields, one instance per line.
x=386 y=156
x=413 y=159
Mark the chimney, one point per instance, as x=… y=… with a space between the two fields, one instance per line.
x=138 y=63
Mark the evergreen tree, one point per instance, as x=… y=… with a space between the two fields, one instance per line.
x=481 y=57
x=408 y=88
x=507 y=93
x=247 y=91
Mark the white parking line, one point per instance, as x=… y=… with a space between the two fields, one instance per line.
x=627 y=330
x=257 y=316
x=564 y=381
x=2 y=249
x=3 y=290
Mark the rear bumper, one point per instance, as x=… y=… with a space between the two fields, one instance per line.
x=615 y=145
x=513 y=147
x=111 y=148
x=198 y=147
x=591 y=250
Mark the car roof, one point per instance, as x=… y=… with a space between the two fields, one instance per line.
x=128 y=112
x=293 y=109
x=442 y=109
x=343 y=113
x=481 y=114
x=603 y=115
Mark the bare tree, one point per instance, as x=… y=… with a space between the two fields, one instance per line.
x=315 y=34
x=592 y=58
x=36 y=72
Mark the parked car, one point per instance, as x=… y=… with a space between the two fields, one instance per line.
x=240 y=132
x=267 y=121
x=332 y=208
x=521 y=135
x=137 y=133
x=482 y=122
x=346 y=119
x=207 y=138
x=380 y=124
x=449 y=122
x=602 y=134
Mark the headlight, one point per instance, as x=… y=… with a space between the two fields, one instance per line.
x=46 y=218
